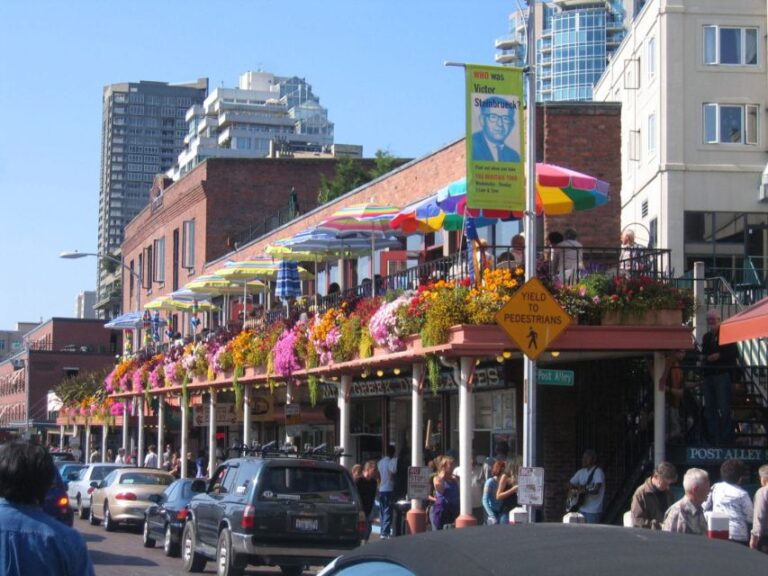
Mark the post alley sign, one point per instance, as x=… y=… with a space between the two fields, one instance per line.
x=696 y=455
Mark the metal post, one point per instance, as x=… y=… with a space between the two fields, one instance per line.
x=140 y=408
x=87 y=451
x=529 y=366
x=184 y=438
x=288 y=400
x=699 y=294
x=247 y=414
x=104 y=433
x=659 y=410
x=62 y=429
x=125 y=425
x=160 y=430
x=345 y=435
x=212 y=432
x=466 y=404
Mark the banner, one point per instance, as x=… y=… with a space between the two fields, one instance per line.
x=495 y=138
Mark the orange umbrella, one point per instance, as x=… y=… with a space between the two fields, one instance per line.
x=748 y=324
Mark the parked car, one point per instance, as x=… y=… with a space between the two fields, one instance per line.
x=164 y=519
x=533 y=549
x=285 y=511
x=59 y=456
x=124 y=495
x=69 y=470
x=79 y=491
x=56 y=502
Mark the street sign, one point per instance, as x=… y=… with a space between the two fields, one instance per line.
x=418 y=482
x=533 y=318
x=530 y=482
x=555 y=377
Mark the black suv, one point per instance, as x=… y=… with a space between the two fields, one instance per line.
x=273 y=508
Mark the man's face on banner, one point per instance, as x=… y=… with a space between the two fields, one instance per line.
x=497 y=124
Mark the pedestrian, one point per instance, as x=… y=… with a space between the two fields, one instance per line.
x=167 y=457
x=568 y=258
x=589 y=483
x=729 y=498
x=652 y=498
x=366 y=486
x=31 y=541
x=110 y=455
x=191 y=466
x=174 y=467
x=718 y=363
x=120 y=458
x=496 y=492
x=150 y=460
x=201 y=465
x=630 y=258
x=672 y=382
x=357 y=472
x=446 y=507
x=387 y=467
x=95 y=456
x=686 y=515
x=759 y=538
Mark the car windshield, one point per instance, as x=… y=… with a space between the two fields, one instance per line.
x=306 y=483
x=146 y=478
x=99 y=472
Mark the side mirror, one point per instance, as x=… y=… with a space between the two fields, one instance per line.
x=198 y=486
x=95 y=484
x=155 y=498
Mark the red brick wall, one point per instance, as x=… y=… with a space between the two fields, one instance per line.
x=58 y=333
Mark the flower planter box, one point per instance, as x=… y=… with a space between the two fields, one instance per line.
x=647 y=318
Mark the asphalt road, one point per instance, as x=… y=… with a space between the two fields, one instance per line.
x=121 y=553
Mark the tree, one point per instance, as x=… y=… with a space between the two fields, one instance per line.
x=351 y=173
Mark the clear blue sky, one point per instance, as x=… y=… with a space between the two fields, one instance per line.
x=377 y=65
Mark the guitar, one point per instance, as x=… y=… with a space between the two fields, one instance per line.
x=575 y=499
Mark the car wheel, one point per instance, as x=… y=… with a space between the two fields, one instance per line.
x=227 y=562
x=193 y=562
x=109 y=524
x=148 y=541
x=292 y=570
x=91 y=518
x=170 y=548
x=82 y=512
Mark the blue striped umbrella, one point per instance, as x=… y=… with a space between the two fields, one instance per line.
x=288 y=283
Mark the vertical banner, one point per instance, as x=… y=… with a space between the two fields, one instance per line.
x=495 y=138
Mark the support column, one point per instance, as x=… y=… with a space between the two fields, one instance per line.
x=345 y=434
x=417 y=516
x=140 y=449
x=659 y=410
x=126 y=417
x=62 y=428
x=185 y=473
x=700 y=313
x=87 y=448
x=466 y=401
x=212 y=432
x=160 y=429
x=247 y=390
x=288 y=400
x=104 y=433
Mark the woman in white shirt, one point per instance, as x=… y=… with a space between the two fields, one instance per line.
x=731 y=499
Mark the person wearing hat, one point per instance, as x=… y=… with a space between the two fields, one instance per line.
x=497 y=119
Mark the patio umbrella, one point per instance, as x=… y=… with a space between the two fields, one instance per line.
x=127 y=321
x=219 y=286
x=748 y=324
x=288 y=283
x=260 y=267
x=428 y=216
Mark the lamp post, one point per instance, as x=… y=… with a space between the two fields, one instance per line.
x=73 y=255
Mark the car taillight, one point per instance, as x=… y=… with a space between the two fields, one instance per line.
x=125 y=496
x=249 y=517
x=362 y=524
x=181 y=514
x=62 y=502
x=91 y=489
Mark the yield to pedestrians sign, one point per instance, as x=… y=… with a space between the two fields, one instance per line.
x=533 y=318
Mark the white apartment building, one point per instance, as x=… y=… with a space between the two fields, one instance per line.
x=691 y=78
x=264 y=111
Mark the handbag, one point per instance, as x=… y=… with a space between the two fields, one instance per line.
x=577 y=496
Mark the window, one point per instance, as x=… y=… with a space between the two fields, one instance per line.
x=730 y=123
x=188 y=245
x=650 y=60
x=159 y=263
x=730 y=45
x=651 y=135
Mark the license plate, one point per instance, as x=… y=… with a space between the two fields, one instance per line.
x=306 y=524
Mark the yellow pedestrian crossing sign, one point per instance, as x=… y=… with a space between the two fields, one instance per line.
x=533 y=318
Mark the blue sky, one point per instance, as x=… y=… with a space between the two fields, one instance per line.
x=377 y=65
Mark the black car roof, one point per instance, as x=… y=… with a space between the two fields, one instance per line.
x=560 y=550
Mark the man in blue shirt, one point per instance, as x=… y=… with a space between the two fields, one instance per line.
x=497 y=117
x=387 y=468
x=31 y=541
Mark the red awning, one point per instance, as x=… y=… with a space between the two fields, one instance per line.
x=747 y=324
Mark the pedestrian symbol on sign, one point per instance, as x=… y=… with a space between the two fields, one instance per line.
x=532 y=336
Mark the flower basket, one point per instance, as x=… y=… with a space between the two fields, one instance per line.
x=664 y=317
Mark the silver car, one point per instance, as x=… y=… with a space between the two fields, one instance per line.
x=79 y=491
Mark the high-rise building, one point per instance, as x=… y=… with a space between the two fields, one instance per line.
x=84 y=304
x=263 y=113
x=574 y=41
x=143 y=129
x=692 y=86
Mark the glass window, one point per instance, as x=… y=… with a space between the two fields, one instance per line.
x=730 y=45
x=730 y=123
x=651 y=132
x=188 y=244
x=650 y=60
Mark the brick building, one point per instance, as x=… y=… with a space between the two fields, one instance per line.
x=56 y=349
